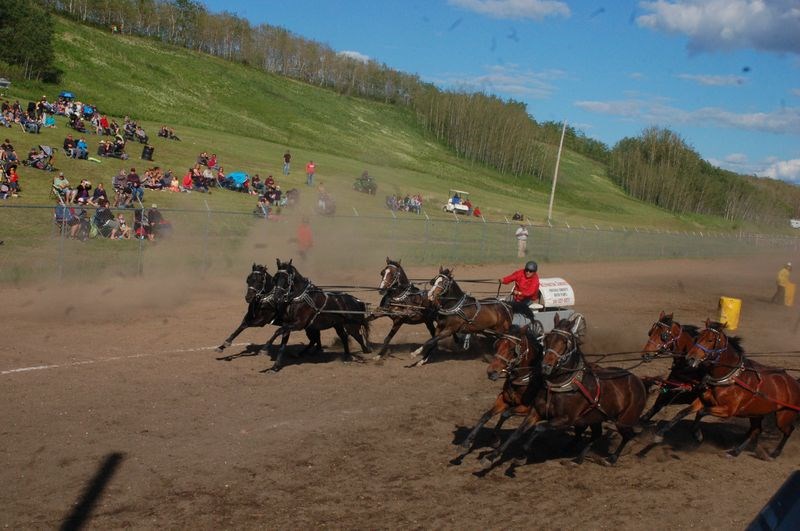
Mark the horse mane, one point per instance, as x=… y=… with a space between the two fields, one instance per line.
x=692 y=330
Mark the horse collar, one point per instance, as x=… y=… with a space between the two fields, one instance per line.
x=728 y=379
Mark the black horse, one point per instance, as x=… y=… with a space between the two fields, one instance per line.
x=261 y=308
x=403 y=302
x=303 y=306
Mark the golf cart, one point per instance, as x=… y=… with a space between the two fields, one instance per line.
x=455 y=202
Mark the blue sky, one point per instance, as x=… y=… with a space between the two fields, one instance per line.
x=724 y=74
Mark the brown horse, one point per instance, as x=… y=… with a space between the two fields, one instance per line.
x=304 y=306
x=577 y=394
x=403 y=302
x=739 y=387
x=459 y=313
x=518 y=359
x=683 y=384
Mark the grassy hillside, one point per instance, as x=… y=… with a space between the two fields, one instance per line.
x=249 y=118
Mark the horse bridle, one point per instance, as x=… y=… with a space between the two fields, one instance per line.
x=444 y=286
x=712 y=354
x=668 y=340
x=287 y=291
x=511 y=364
x=263 y=275
x=562 y=357
x=395 y=279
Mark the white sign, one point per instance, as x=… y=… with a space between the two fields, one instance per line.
x=556 y=292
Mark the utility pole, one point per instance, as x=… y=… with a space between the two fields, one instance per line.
x=555 y=175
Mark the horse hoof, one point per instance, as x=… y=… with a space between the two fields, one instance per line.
x=609 y=461
x=264 y=352
x=732 y=454
x=219 y=350
x=466 y=444
x=698 y=436
x=415 y=353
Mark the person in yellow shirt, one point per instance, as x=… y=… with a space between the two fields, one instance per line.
x=782 y=281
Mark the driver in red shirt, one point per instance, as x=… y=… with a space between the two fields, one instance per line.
x=526 y=283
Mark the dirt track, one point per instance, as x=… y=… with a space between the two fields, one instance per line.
x=209 y=444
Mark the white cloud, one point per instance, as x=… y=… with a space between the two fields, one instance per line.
x=782 y=121
x=736 y=158
x=508 y=80
x=636 y=75
x=358 y=56
x=786 y=170
x=711 y=25
x=712 y=80
x=515 y=9
x=795 y=91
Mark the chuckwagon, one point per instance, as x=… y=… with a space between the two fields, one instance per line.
x=556 y=296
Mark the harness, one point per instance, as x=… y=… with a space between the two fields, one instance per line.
x=575 y=382
x=732 y=378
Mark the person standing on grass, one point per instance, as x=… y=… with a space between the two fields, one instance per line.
x=310 y=169
x=287 y=159
x=782 y=281
x=522 y=240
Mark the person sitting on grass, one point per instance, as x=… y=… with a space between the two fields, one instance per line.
x=124 y=231
x=62 y=188
x=99 y=195
x=82 y=191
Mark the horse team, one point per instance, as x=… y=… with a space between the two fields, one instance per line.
x=548 y=380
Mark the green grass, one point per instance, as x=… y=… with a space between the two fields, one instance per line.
x=249 y=118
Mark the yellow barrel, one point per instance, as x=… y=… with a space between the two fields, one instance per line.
x=729 y=309
x=788 y=294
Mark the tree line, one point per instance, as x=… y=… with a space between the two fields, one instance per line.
x=661 y=168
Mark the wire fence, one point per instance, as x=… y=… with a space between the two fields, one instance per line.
x=205 y=240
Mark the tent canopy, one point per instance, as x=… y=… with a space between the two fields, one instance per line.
x=239 y=177
x=67 y=95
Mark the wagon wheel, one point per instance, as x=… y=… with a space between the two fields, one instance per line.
x=579 y=328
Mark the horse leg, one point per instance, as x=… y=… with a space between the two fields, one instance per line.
x=697 y=433
x=627 y=434
x=342 y=333
x=752 y=436
x=695 y=406
x=785 y=420
x=314 y=341
x=355 y=331
x=227 y=343
x=662 y=400
x=425 y=351
x=498 y=407
x=265 y=347
x=526 y=425
x=431 y=327
x=597 y=433
x=278 y=365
